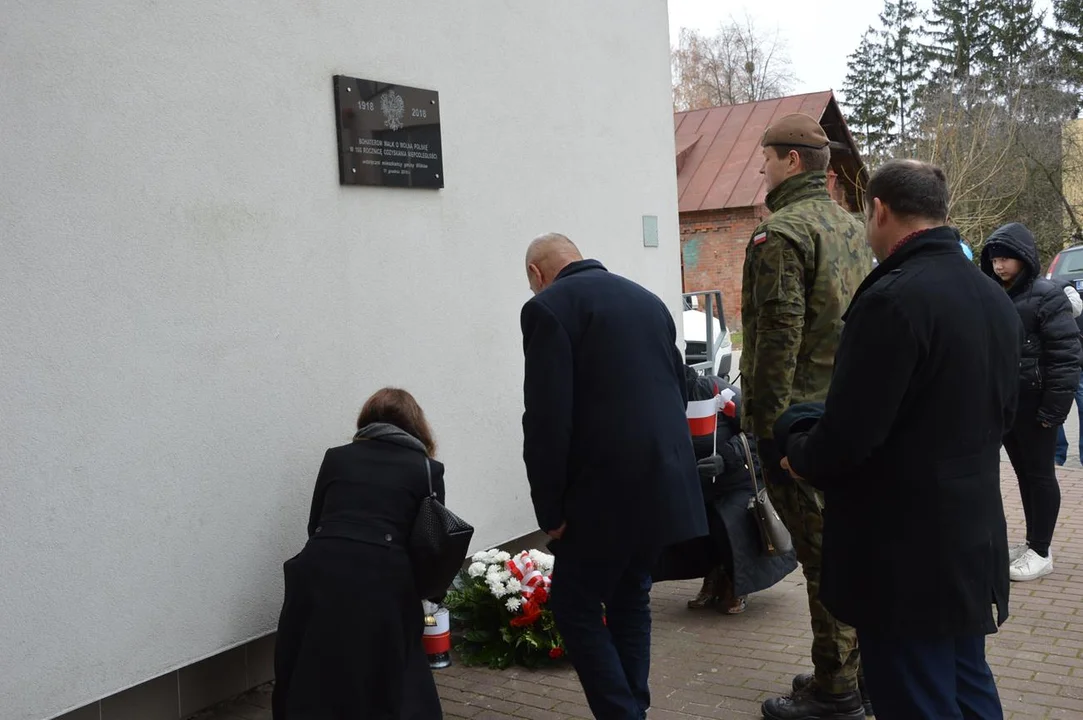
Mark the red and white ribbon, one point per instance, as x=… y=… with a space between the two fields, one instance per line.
x=530 y=578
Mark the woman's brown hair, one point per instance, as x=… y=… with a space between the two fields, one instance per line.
x=399 y=408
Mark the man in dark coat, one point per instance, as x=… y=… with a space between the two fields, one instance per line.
x=609 y=457
x=907 y=453
x=1048 y=379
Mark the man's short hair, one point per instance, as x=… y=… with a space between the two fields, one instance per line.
x=911 y=188
x=812 y=159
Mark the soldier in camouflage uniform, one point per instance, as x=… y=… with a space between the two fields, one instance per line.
x=802 y=266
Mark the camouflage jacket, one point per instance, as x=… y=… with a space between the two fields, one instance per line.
x=802 y=267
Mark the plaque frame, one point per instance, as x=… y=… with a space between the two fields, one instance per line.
x=388 y=134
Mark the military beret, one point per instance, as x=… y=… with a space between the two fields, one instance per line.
x=798 y=130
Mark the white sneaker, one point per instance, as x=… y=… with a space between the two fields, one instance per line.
x=1031 y=566
x=1017 y=551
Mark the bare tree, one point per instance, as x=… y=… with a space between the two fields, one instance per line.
x=976 y=147
x=1052 y=148
x=738 y=64
x=1052 y=206
x=1072 y=177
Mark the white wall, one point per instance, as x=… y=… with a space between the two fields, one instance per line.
x=192 y=309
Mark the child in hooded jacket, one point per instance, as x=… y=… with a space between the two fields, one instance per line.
x=1048 y=377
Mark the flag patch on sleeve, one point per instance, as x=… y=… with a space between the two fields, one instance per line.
x=759 y=239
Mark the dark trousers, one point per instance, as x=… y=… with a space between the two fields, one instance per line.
x=921 y=679
x=1030 y=448
x=611 y=657
x=1062 y=438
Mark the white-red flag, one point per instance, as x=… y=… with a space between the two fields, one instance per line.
x=702 y=416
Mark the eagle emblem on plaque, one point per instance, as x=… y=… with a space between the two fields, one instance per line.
x=394 y=109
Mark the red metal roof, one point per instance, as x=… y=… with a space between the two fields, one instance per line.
x=718 y=150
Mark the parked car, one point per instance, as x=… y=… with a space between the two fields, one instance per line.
x=1067 y=266
x=698 y=333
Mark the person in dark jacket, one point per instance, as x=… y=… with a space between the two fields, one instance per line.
x=1048 y=379
x=609 y=458
x=907 y=452
x=349 y=641
x=730 y=559
x=1061 y=454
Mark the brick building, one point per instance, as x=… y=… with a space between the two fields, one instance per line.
x=721 y=191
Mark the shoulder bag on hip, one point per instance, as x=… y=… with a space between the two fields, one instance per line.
x=438 y=544
x=774 y=537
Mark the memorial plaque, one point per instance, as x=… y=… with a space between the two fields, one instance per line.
x=388 y=134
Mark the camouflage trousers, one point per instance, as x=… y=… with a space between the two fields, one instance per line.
x=834 y=644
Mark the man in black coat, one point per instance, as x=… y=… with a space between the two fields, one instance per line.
x=907 y=452
x=609 y=457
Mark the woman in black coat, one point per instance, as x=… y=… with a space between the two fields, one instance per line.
x=730 y=559
x=1048 y=377
x=349 y=639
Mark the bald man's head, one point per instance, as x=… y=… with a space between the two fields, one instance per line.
x=546 y=256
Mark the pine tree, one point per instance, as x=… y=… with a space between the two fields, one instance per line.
x=867 y=96
x=1067 y=32
x=905 y=63
x=959 y=46
x=1016 y=44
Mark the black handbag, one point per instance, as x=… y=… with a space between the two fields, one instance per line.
x=774 y=537
x=438 y=545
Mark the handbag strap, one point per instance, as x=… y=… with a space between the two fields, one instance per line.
x=751 y=464
x=428 y=476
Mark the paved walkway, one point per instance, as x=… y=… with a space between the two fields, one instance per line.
x=712 y=666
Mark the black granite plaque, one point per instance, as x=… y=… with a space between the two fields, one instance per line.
x=387 y=134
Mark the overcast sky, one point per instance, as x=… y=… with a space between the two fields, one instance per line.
x=819 y=34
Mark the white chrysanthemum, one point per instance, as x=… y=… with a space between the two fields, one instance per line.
x=502 y=557
x=542 y=561
x=514 y=604
x=514 y=585
x=498 y=590
x=485 y=556
x=476 y=570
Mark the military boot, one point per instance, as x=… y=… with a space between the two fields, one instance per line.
x=708 y=594
x=805 y=680
x=814 y=704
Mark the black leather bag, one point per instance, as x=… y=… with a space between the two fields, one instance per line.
x=438 y=544
x=774 y=537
